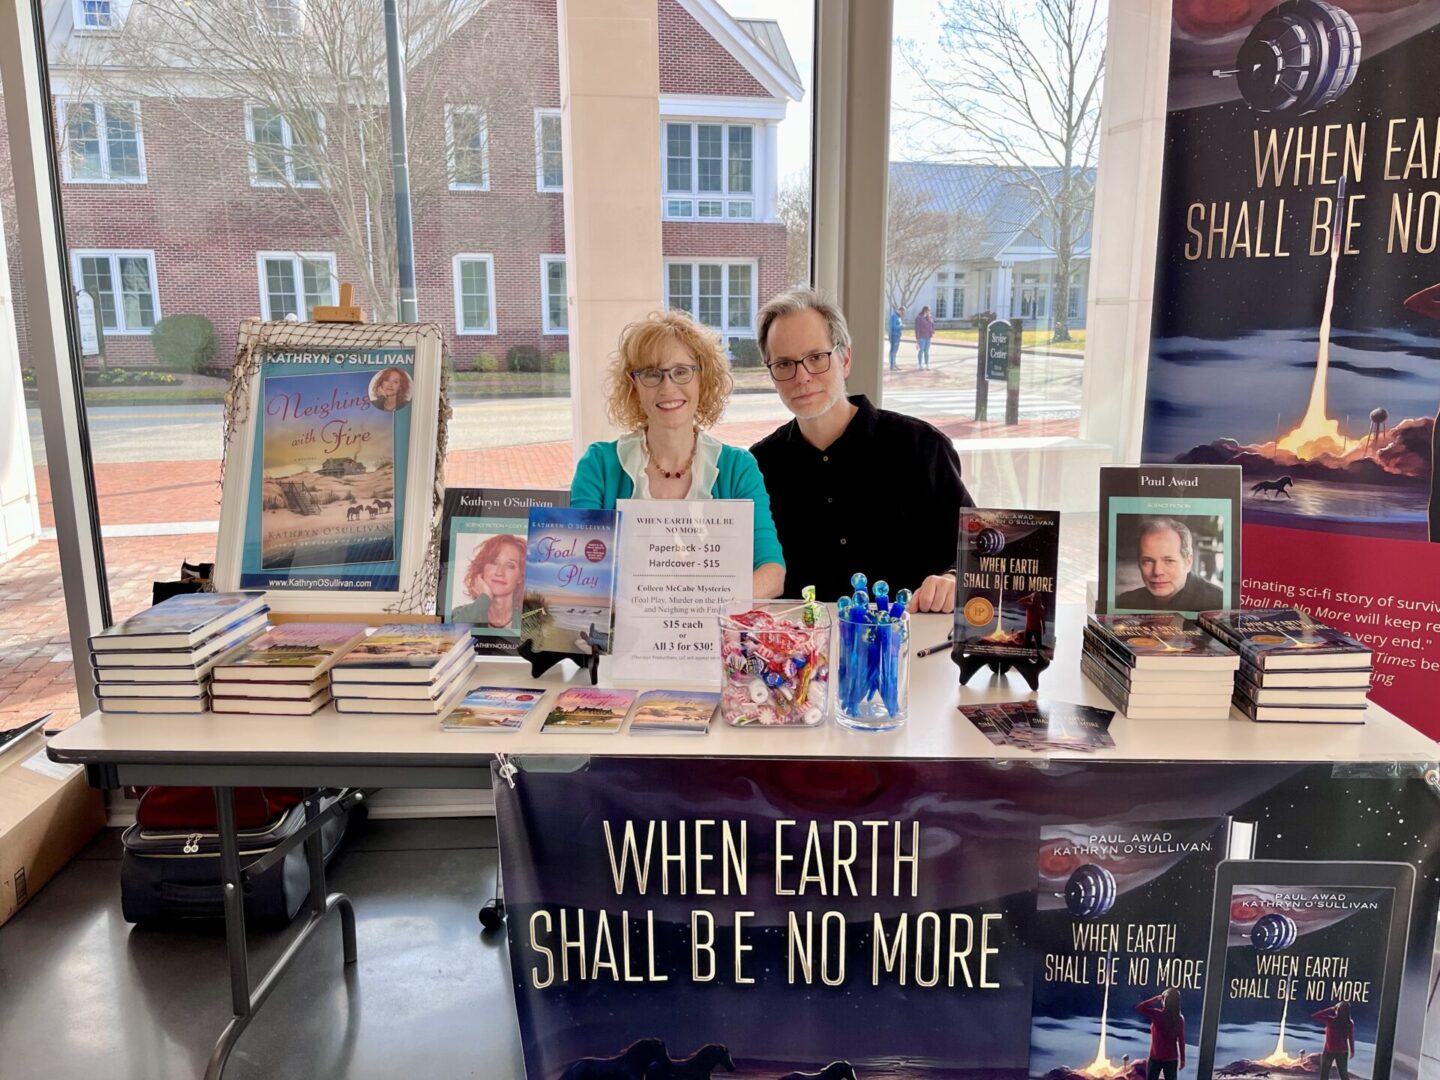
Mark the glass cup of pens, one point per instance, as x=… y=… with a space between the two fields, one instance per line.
x=873 y=665
x=776 y=660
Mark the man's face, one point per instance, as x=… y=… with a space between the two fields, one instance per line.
x=1161 y=563
x=799 y=335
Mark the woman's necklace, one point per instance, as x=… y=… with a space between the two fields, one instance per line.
x=677 y=474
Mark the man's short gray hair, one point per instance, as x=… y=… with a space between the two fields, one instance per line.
x=1179 y=528
x=794 y=301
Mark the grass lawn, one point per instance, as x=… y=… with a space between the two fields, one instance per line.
x=1029 y=340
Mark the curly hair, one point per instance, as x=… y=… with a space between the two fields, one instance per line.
x=639 y=343
x=489 y=552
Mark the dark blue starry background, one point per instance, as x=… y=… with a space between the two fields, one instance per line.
x=980 y=832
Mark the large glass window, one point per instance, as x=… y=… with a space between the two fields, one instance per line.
x=474 y=294
x=122 y=285
x=293 y=285
x=469 y=149
x=556 y=299
x=549 y=151
x=101 y=142
x=994 y=131
x=716 y=160
x=285 y=151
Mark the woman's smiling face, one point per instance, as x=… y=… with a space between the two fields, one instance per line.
x=670 y=405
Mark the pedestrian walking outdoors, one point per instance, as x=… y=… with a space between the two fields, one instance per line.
x=924 y=331
x=897 y=323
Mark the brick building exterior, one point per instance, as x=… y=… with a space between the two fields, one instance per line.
x=168 y=210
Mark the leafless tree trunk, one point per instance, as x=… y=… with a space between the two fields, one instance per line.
x=920 y=237
x=794 y=211
x=1021 y=85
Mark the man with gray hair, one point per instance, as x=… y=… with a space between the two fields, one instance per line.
x=1166 y=552
x=852 y=487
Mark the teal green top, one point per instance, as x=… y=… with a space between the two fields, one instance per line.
x=720 y=472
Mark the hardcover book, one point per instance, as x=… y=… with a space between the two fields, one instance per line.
x=1270 y=639
x=449 y=697
x=587 y=709
x=1123 y=914
x=1169 y=538
x=1298 y=714
x=288 y=691
x=482 y=560
x=1005 y=583
x=180 y=622
x=1163 y=641
x=152 y=705
x=291 y=652
x=492 y=708
x=405 y=652
x=1152 y=706
x=272 y=706
x=569 y=580
x=674 y=712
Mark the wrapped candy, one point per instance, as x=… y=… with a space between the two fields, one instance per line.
x=776 y=664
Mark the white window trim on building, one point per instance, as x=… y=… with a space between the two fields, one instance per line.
x=295 y=258
x=675 y=201
x=287 y=139
x=115 y=255
x=461 y=330
x=550 y=329
x=283 y=18
x=540 y=184
x=451 y=111
x=728 y=329
x=64 y=105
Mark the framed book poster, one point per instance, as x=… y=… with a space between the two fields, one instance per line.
x=330 y=489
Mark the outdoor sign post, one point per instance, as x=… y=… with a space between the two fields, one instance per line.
x=91 y=343
x=1012 y=372
x=982 y=387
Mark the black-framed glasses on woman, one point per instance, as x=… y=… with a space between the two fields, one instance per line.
x=816 y=363
x=652 y=377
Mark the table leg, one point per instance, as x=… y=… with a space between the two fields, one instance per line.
x=244 y=1003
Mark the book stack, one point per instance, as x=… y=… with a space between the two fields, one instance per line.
x=406 y=668
x=160 y=660
x=1159 y=666
x=1293 y=668
x=283 y=672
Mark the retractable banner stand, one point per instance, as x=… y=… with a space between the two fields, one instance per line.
x=962 y=920
x=1296 y=326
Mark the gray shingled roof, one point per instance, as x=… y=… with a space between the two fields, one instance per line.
x=1005 y=209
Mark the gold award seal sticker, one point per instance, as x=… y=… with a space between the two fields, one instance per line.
x=979 y=611
x=1268 y=639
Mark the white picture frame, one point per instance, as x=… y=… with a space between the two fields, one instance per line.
x=315 y=375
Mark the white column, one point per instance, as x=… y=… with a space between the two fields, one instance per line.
x=609 y=97
x=19 y=503
x=770 y=187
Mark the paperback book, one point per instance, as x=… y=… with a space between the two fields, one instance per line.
x=405 y=653
x=1123 y=914
x=152 y=705
x=1282 y=639
x=448 y=698
x=674 y=712
x=288 y=691
x=1005 y=584
x=1169 y=538
x=1163 y=706
x=482 y=560
x=1298 y=714
x=591 y=710
x=181 y=622
x=291 y=652
x=493 y=708
x=272 y=706
x=1160 y=640
x=569 y=580
x=195 y=658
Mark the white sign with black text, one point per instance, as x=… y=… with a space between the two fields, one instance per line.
x=679 y=565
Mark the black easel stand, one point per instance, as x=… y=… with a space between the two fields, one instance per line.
x=541 y=662
x=969 y=664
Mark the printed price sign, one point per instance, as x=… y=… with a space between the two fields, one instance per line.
x=997 y=350
x=681 y=563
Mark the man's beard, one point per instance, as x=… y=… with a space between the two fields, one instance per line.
x=814 y=412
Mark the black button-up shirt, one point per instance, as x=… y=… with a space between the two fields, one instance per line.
x=884 y=498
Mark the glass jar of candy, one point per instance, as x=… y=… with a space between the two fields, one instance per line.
x=777 y=664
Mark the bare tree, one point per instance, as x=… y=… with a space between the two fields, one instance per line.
x=1021 y=84
x=920 y=237
x=312 y=74
x=793 y=209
